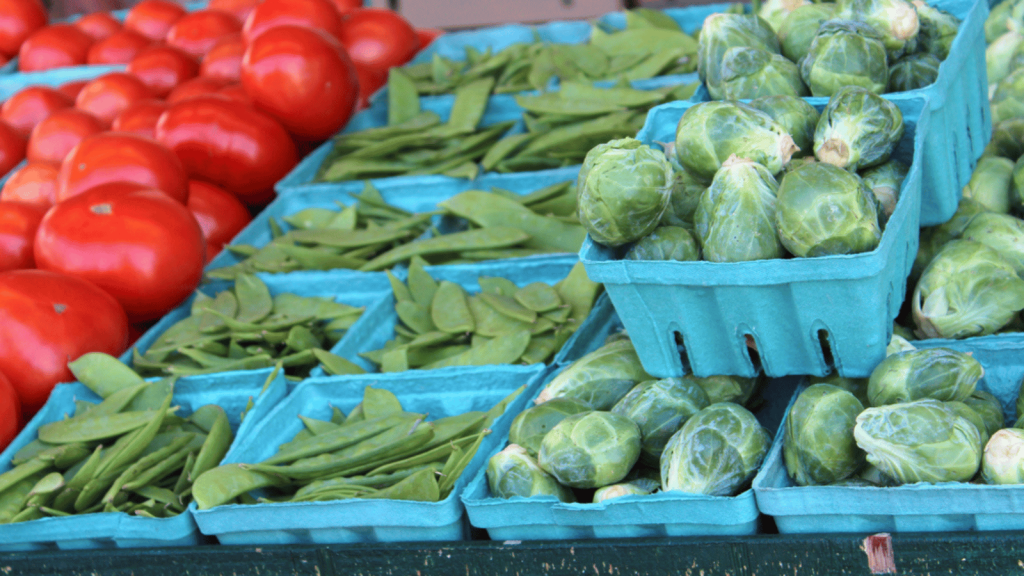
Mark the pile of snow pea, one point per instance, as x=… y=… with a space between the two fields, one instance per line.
x=377 y=451
x=372 y=235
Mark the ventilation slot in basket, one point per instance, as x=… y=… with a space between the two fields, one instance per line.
x=825 y=342
x=681 y=346
x=750 y=346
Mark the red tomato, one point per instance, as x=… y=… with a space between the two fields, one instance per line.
x=10 y=412
x=161 y=68
x=235 y=147
x=240 y=8
x=428 y=35
x=346 y=6
x=107 y=96
x=119 y=48
x=144 y=248
x=35 y=182
x=12 y=148
x=19 y=19
x=224 y=60
x=140 y=118
x=319 y=14
x=54 y=137
x=370 y=80
x=153 y=18
x=220 y=215
x=98 y=25
x=48 y=319
x=303 y=78
x=54 y=46
x=378 y=38
x=199 y=31
x=71 y=89
x=198 y=86
x=118 y=157
x=237 y=92
x=30 y=106
x=18 y=223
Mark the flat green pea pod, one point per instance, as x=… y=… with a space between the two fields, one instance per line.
x=590 y=449
x=922 y=441
x=531 y=425
x=666 y=243
x=1003 y=460
x=218 y=440
x=599 y=379
x=638 y=487
x=225 y=483
x=659 y=408
x=735 y=219
x=103 y=374
x=857 y=129
x=936 y=373
x=989 y=408
x=818 y=444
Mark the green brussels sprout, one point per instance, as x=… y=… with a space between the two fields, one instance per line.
x=876 y=477
x=913 y=71
x=968 y=413
x=854 y=483
x=753 y=72
x=590 y=450
x=530 y=426
x=857 y=129
x=885 y=181
x=795 y=115
x=623 y=190
x=895 y=20
x=665 y=243
x=659 y=408
x=995 y=24
x=936 y=373
x=798 y=163
x=686 y=193
x=825 y=210
x=1001 y=232
x=998 y=56
x=513 y=472
x=775 y=12
x=1008 y=99
x=903 y=331
x=845 y=53
x=1017 y=187
x=723 y=31
x=711 y=132
x=933 y=238
x=1003 y=461
x=716 y=452
x=735 y=220
x=599 y=379
x=922 y=441
x=616 y=336
x=990 y=183
x=639 y=487
x=735 y=389
x=801 y=26
x=967 y=290
x=648 y=18
x=989 y=408
x=1020 y=400
x=818 y=445
x=898 y=344
x=1007 y=139
x=856 y=386
x=938 y=29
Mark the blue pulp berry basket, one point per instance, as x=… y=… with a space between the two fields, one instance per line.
x=359 y=520
x=946 y=507
x=805 y=315
x=114 y=529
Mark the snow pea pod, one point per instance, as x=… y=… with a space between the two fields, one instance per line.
x=95 y=429
x=494 y=237
x=225 y=483
x=449 y=310
x=403 y=101
x=504 y=349
x=103 y=374
x=335 y=440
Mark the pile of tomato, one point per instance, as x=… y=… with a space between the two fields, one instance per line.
x=134 y=180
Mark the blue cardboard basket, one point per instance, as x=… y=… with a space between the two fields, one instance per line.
x=804 y=314
x=949 y=506
x=115 y=529
x=359 y=520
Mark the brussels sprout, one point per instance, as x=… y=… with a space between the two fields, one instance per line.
x=922 y=441
x=513 y=472
x=640 y=487
x=856 y=386
x=876 y=477
x=1017 y=187
x=938 y=29
x=723 y=31
x=796 y=117
x=967 y=290
x=990 y=184
x=599 y=379
x=1001 y=232
x=735 y=389
x=989 y=408
x=659 y=408
x=530 y=426
x=898 y=344
x=1003 y=461
x=818 y=445
x=711 y=132
x=617 y=335
x=775 y=12
x=936 y=373
x=665 y=243
x=854 y=483
x=591 y=449
x=1007 y=139
x=800 y=28
x=935 y=237
x=623 y=190
x=825 y=210
x=998 y=56
x=857 y=129
x=753 y=72
x=902 y=331
x=913 y=71
x=735 y=220
x=686 y=192
x=798 y=163
x=968 y=413
x=1008 y=99
x=995 y=24
x=845 y=53
x=885 y=181
x=717 y=451
x=895 y=20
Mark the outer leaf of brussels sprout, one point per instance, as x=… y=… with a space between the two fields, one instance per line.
x=795 y=115
x=897 y=345
x=936 y=373
x=995 y=24
x=531 y=425
x=1008 y=99
x=665 y=243
x=989 y=408
x=734 y=389
x=686 y=192
x=845 y=53
x=990 y=184
x=968 y=413
x=775 y=12
x=1001 y=232
x=513 y=472
x=639 y=487
x=858 y=129
x=723 y=31
x=895 y=20
x=876 y=477
x=590 y=450
x=998 y=56
x=938 y=29
x=735 y=220
x=1003 y=462
x=599 y=379
x=752 y=72
x=885 y=181
x=801 y=26
x=856 y=386
x=913 y=71
x=659 y=408
x=818 y=446
x=1007 y=139
x=922 y=441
